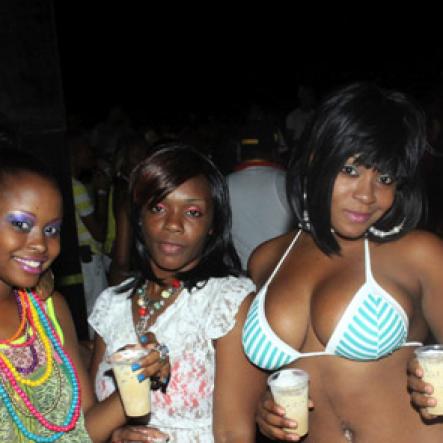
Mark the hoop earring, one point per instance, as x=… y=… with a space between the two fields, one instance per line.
x=382 y=234
x=305 y=224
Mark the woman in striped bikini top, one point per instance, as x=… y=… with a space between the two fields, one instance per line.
x=354 y=185
x=373 y=325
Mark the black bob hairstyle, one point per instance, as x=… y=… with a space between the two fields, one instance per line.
x=381 y=129
x=158 y=175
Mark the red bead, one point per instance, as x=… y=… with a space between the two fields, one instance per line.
x=175 y=283
x=142 y=312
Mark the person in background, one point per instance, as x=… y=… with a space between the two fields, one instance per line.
x=349 y=295
x=257 y=191
x=299 y=118
x=131 y=149
x=91 y=210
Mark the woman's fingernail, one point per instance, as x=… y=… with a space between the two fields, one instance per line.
x=141 y=377
x=144 y=339
x=135 y=366
x=428 y=390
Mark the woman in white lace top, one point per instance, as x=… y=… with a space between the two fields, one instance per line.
x=188 y=293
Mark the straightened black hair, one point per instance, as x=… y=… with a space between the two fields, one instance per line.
x=14 y=161
x=157 y=176
x=381 y=129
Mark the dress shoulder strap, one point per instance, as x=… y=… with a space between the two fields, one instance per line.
x=50 y=310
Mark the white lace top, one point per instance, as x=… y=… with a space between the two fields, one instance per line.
x=188 y=327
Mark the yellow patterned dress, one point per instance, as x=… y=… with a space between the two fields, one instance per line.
x=52 y=398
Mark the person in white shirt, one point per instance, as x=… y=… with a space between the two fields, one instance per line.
x=257 y=192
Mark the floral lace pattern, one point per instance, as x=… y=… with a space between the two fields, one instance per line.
x=188 y=327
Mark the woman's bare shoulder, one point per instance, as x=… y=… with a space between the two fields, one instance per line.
x=421 y=248
x=419 y=251
x=420 y=244
x=60 y=303
x=63 y=313
x=265 y=257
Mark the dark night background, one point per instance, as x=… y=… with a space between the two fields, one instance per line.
x=163 y=63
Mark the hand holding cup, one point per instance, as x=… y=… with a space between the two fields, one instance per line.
x=289 y=389
x=156 y=364
x=271 y=419
x=425 y=380
x=138 y=434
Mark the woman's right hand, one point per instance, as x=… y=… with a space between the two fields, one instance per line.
x=419 y=390
x=271 y=420
x=127 y=434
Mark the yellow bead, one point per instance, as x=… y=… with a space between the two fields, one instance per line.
x=165 y=293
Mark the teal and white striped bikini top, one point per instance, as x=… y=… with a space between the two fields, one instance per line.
x=373 y=325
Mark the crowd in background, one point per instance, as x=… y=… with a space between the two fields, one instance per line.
x=253 y=148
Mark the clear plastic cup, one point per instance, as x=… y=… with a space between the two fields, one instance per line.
x=430 y=359
x=135 y=395
x=289 y=388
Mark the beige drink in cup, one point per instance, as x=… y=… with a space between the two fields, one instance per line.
x=135 y=395
x=430 y=359
x=289 y=388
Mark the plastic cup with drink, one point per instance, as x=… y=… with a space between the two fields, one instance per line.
x=289 y=388
x=135 y=394
x=430 y=359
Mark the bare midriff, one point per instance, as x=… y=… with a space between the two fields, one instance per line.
x=364 y=402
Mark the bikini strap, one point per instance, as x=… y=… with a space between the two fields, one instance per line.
x=368 y=269
x=282 y=259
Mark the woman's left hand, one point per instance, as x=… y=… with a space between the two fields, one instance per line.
x=128 y=434
x=419 y=390
x=156 y=364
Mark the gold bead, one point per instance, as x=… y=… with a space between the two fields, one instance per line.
x=165 y=293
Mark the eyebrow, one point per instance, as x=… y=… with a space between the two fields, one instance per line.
x=195 y=200
x=21 y=214
x=55 y=221
x=190 y=200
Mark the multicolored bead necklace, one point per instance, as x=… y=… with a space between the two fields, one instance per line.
x=29 y=342
x=21 y=328
x=147 y=307
x=41 y=327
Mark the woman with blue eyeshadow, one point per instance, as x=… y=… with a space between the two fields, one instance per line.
x=45 y=395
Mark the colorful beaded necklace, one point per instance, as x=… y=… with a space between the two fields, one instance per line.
x=21 y=328
x=28 y=343
x=148 y=307
x=40 y=325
